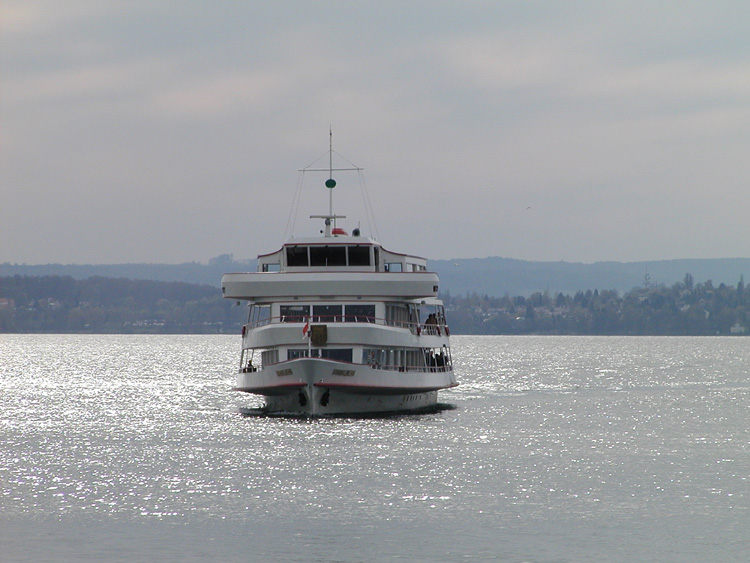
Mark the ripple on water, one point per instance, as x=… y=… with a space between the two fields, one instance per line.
x=543 y=431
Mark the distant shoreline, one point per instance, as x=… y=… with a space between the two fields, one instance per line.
x=97 y=305
x=494 y=276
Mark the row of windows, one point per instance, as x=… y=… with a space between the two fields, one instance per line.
x=399 y=267
x=323 y=256
x=338 y=354
x=402 y=359
x=355 y=313
x=406 y=358
x=387 y=358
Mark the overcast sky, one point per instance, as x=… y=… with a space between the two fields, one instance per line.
x=173 y=131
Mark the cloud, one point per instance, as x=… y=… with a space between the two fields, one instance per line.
x=511 y=61
x=211 y=95
x=82 y=83
x=560 y=67
x=19 y=18
x=461 y=115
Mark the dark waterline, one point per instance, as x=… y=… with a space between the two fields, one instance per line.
x=260 y=412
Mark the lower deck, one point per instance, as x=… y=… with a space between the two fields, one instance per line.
x=393 y=358
x=347 y=356
x=314 y=385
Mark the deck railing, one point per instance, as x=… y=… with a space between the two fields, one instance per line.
x=403 y=369
x=438 y=329
x=411 y=368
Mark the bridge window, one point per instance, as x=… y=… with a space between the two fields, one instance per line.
x=296 y=256
x=327 y=256
x=359 y=255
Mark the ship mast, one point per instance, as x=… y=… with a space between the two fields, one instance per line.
x=330 y=173
x=330 y=183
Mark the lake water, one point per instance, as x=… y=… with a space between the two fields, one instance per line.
x=552 y=449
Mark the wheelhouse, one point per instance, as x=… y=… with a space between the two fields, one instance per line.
x=354 y=254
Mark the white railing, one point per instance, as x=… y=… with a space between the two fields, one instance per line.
x=438 y=329
x=400 y=368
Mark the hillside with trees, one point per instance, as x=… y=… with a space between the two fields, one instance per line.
x=686 y=308
x=62 y=304
x=493 y=276
x=113 y=305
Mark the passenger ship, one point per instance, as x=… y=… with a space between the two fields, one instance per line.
x=337 y=324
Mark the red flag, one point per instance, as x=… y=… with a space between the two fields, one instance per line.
x=306 y=328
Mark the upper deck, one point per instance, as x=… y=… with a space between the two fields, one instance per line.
x=336 y=265
x=338 y=253
x=333 y=266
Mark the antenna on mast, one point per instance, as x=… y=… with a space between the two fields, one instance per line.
x=330 y=183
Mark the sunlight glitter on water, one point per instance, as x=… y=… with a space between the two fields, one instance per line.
x=546 y=430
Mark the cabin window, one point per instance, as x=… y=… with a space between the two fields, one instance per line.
x=407 y=359
x=370 y=356
x=294 y=313
x=379 y=358
x=393 y=267
x=326 y=313
x=328 y=256
x=275 y=267
x=338 y=354
x=414 y=359
x=268 y=357
x=359 y=255
x=259 y=315
x=397 y=314
x=360 y=313
x=296 y=256
x=295 y=353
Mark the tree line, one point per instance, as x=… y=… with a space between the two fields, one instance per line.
x=685 y=308
x=113 y=305
x=118 y=305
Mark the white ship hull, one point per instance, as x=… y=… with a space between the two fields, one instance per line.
x=320 y=387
